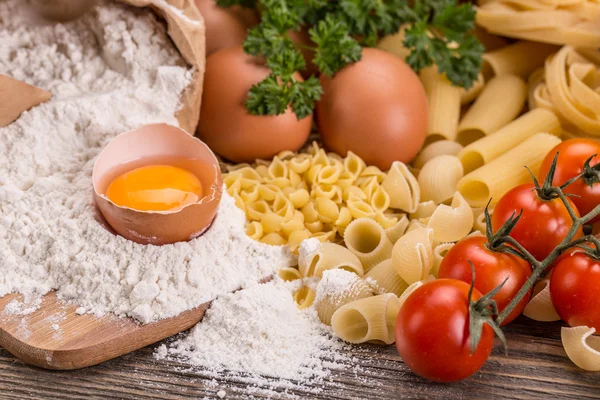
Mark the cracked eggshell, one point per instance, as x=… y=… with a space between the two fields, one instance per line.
x=154 y=142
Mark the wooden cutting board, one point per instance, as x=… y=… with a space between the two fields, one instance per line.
x=56 y=337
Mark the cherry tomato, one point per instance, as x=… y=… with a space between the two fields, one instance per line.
x=432 y=332
x=543 y=225
x=491 y=269
x=575 y=289
x=572 y=154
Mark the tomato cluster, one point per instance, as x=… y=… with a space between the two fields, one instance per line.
x=533 y=222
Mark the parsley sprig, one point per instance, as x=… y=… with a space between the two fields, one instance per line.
x=438 y=33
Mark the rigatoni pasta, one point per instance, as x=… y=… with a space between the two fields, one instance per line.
x=500 y=102
x=336 y=289
x=372 y=319
x=368 y=241
x=490 y=147
x=507 y=171
x=520 y=58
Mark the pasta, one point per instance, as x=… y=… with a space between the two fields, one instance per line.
x=310 y=194
x=317 y=258
x=439 y=148
x=335 y=291
x=438 y=178
x=402 y=187
x=368 y=241
x=467 y=96
x=451 y=223
x=500 y=102
x=506 y=171
x=412 y=255
x=520 y=58
x=289 y=274
x=540 y=306
x=582 y=347
x=304 y=297
x=395 y=232
x=444 y=104
x=386 y=279
x=395 y=44
x=490 y=147
x=409 y=290
x=439 y=253
x=569 y=86
x=424 y=210
x=559 y=22
x=372 y=319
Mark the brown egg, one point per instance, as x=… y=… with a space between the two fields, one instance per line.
x=376 y=108
x=225 y=27
x=151 y=145
x=225 y=124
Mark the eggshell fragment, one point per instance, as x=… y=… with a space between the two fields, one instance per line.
x=143 y=146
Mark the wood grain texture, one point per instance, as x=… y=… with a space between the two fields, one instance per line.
x=81 y=340
x=536 y=368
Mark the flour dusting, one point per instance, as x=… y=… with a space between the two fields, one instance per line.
x=113 y=70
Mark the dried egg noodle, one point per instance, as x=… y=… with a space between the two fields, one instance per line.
x=573 y=22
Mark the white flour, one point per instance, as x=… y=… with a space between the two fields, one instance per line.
x=260 y=332
x=109 y=72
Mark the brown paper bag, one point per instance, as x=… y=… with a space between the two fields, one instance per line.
x=186 y=28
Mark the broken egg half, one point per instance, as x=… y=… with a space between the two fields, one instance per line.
x=157 y=185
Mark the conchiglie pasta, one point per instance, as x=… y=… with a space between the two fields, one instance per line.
x=315 y=258
x=386 y=279
x=304 y=297
x=274 y=239
x=451 y=223
x=402 y=187
x=409 y=290
x=336 y=289
x=582 y=347
x=540 y=306
x=368 y=241
x=289 y=274
x=395 y=232
x=438 y=178
x=439 y=148
x=372 y=319
x=439 y=252
x=412 y=255
x=254 y=230
x=424 y=210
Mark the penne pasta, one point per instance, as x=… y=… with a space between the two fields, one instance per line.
x=412 y=255
x=506 y=171
x=582 y=347
x=451 y=223
x=372 y=319
x=520 y=58
x=438 y=178
x=368 y=241
x=402 y=187
x=444 y=104
x=316 y=258
x=490 y=147
x=395 y=44
x=336 y=289
x=386 y=279
x=500 y=102
x=467 y=96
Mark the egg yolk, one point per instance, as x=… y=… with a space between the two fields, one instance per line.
x=155 y=188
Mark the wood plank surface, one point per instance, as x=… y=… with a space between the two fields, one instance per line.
x=535 y=368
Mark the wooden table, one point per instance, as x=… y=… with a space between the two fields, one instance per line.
x=536 y=368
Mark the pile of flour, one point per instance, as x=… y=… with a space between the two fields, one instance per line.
x=260 y=337
x=111 y=71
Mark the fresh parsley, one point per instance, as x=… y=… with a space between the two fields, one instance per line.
x=438 y=32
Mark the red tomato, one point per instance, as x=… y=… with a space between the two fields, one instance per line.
x=572 y=154
x=543 y=225
x=432 y=332
x=575 y=289
x=491 y=269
